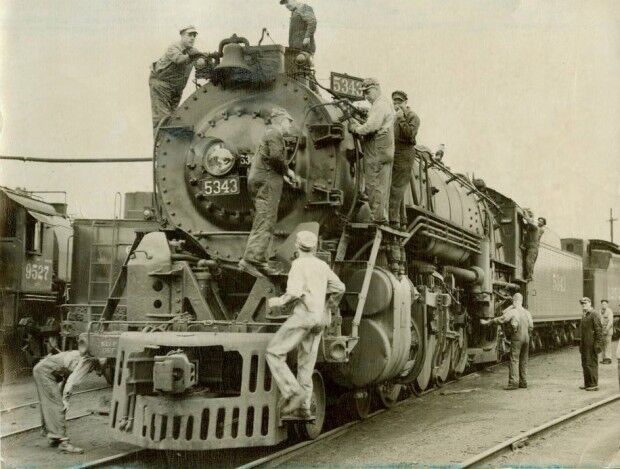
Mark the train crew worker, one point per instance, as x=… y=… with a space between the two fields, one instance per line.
x=591 y=337
x=533 y=232
x=266 y=176
x=607 y=322
x=70 y=368
x=618 y=358
x=378 y=148
x=310 y=281
x=302 y=26
x=520 y=326
x=406 y=125
x=170 y=73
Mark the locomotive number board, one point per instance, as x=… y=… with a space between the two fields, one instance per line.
x=221 y=186
x=346 y=86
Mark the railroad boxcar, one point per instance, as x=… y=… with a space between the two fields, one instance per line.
x=601 y=272
x=35 y=253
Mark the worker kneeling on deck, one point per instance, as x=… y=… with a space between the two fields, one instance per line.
x=521 y=325
x=55 y=377
x=310 y=280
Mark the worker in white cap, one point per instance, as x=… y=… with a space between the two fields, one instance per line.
x=268 y=171
x=68 y=368
x=310 y=280
x=378 y=147
x=169 y=75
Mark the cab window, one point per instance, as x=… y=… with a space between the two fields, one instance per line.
x=34 y=235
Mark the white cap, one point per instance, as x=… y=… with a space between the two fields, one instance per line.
x=306 y=241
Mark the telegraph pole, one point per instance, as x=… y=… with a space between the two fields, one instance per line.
x=611 y=223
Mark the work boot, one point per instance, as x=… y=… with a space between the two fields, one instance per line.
x=299 y=414
x=53 y=442
x=582 y=387
x=66 y=447
x=250 y=268
x=295 y=402
x=511 y=387
x=592 y=388
x=523 y=385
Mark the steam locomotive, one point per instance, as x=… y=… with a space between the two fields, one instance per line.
x=190 y=351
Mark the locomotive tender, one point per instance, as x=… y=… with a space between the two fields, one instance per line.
x=191 y=371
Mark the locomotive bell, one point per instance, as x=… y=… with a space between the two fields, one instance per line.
x=232 y=61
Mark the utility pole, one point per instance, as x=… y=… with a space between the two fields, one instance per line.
x=611 y=223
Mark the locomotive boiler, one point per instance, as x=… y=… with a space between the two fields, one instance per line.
x=191 y=371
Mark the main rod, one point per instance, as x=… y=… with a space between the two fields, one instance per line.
x=28 y=159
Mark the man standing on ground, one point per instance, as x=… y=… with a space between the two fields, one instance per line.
x=378 y=148
x=533 y=232
x=521 y=325
x=69 y=367
x=607 y=322
x=591 y=337
x=266 y=177
x=302 y=26
x=170 y=73
x=310 y=280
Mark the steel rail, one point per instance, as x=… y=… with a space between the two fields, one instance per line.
x=499 y=448
x=34 y=427
x=27 y=404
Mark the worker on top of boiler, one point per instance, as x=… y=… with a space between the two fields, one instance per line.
x=302 y=26
x=607 y=322
x=533 y=231
x=520 y=325
x=268 y=171
x=70 y=368
x=310 y=281
x=378 y=148
x=169 y=74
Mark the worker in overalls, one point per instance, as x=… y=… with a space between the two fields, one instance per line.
x=169 y=75
x=310 y=280
x=268 y=171
x=55 y=377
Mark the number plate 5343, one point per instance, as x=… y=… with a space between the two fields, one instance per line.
x=221 y=186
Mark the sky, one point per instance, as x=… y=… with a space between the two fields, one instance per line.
x=522 y=93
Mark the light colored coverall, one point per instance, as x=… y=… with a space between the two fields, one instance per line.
x=591 y=338
x=265 y=181
x=310 y=280
x=405 y=132
x=302 y=26
x=168 y=79
x=607 y=321
x=378 y=147
x=618 y=357
x=521 y=323
x=69 y=366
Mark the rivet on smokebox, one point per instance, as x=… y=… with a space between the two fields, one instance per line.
x=193 y=181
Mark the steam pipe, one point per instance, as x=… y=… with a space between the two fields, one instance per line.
x=472 y=275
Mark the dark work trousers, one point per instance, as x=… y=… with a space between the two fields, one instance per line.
x=589 y=363
x=266 y=190
x=519 y=356
x=531 y=255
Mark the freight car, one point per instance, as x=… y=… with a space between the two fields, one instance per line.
x=191 y=372
x=601 y=272
x=34 y=251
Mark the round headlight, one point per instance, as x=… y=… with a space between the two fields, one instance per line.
x=218 y=160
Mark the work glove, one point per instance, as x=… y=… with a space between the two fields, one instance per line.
x=275 y=302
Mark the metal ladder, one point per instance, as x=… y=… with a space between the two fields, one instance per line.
x=94 y=262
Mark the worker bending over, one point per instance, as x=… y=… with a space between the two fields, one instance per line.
x=55 y=377
x=309 y=281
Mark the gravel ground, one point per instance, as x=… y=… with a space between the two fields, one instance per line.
x=591 y=440
x=447 y=429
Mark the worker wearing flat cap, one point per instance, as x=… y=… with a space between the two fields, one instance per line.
x=169 y=75
x=378 y=148
x=68 y=368
x=301 y=27
x=406 y=125
x=310 y=282
x=268 y=171
x=590 y=344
